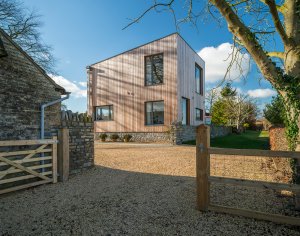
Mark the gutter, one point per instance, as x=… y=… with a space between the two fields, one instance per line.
x=42 y=135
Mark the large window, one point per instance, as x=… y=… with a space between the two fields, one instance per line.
x=104 y=113
x=199 y=114
x=154 y=69
x=154 y=113
x=199 y=79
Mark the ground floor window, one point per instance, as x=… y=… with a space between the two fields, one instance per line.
x=199 y=114
x=154 y=113
x=104 y=113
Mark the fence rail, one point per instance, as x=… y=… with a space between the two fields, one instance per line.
x=205 y=180
x=254 y=152
x=21 y=168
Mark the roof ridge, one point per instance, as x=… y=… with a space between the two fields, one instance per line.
x=134 y=48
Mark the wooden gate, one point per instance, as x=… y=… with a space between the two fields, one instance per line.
x=27 y=163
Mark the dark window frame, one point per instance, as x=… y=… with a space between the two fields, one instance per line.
x=145 y=70
x=111 y=112
x=201 y=118
x=201 y=87
x=145 y=112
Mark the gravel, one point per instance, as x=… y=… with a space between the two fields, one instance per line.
x=133 y=190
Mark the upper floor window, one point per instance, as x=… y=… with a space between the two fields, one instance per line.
x=199 y=79
x=154 y=113
x=154 y=69
x=199 y=114
x=104 y=113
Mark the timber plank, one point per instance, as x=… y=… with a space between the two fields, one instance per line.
x=24 y=186
x=256 y=215
x=254 y=152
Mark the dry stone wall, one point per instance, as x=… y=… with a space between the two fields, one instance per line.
x=278 y=141
x=81 y=140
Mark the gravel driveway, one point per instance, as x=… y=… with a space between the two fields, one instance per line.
x=132 y=190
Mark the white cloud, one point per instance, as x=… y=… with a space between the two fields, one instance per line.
x=217 y=60
x=69 y=86
x=261 y=93
x=83 y=84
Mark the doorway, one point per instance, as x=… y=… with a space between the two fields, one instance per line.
x=185 y=108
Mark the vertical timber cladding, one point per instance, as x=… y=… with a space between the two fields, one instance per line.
x=119 y=81
x=187 y=58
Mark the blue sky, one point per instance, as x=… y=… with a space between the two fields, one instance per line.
x=84 y=32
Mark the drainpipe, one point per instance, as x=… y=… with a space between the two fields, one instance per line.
x=43 y=112
x=43 y=120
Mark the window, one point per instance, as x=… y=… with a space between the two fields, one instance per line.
x=154 y=69
x=199 y=79
x=104 y=113
x=199 y=114
x=185 y=109
x=154 y=113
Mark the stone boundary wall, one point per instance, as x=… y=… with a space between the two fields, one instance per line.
x=181 y=133
x=81 y=140
x=219 y=131
x=278 y=141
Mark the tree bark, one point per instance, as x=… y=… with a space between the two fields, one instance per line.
x=290 y=35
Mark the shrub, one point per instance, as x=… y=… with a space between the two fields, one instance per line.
x=103 y=137
x=114 y=137
x=127 y=137
x=246 y=126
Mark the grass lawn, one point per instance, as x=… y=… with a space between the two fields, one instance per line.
x=248 y=140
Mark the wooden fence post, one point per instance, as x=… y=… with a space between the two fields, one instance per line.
x=54 y=160
x=63 y=154
x=202 y=166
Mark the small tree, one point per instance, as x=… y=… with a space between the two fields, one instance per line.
x=274 y=112
x=219 y=113
x=211 y=96
x=233 y=109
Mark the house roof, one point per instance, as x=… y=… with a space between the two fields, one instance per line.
x=58 y=87
x=142 y=46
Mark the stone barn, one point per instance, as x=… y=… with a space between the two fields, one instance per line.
x=25 y=87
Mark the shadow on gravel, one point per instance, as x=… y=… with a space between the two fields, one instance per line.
x=105 y=201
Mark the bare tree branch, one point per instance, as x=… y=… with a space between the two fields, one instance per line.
x=154 y=6
x=276 y=54
x=23 y=26
x=277 y=22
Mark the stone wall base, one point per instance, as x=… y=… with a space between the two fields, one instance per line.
x=142 y=137
x=177 y=134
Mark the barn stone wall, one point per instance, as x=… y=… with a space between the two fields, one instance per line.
x=24 y=88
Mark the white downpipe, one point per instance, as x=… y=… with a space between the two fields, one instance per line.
x=42 y=135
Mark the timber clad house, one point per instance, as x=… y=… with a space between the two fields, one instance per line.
x=148 y=90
